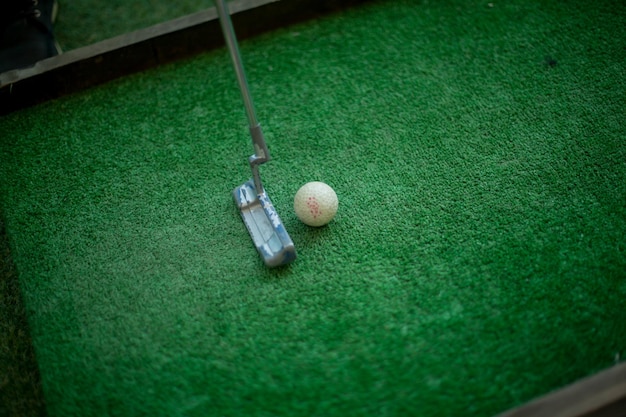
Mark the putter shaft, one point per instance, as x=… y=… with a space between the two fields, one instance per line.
x=261 y=152
x=257 y=211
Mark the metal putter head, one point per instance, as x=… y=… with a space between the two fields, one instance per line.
x=259 y=215
x=267 y=231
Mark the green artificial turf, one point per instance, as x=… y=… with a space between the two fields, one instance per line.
x=20 y=383
x=477 y=259
x=81 y=23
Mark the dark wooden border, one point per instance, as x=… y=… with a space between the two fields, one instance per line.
x=136 y=51
x=600 y=395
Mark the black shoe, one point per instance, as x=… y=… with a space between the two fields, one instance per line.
x=26 y=34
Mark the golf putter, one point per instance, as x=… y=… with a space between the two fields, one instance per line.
x=257 y=211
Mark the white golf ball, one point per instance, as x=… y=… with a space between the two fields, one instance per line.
x=315 y=203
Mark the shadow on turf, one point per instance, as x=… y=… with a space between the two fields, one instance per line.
x=20 y=382
x=305 y=238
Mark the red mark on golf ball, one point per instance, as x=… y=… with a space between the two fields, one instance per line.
x=314 y=206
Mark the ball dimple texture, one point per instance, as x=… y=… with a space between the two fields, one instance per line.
x=315 y=203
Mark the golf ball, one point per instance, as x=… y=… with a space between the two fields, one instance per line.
x=315 y=203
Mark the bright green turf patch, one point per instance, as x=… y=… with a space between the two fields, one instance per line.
x=477 y=259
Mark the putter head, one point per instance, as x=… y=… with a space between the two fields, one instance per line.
x=267 y=231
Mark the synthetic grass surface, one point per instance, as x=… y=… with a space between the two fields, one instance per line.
x=81 y=23
x=477 y=259
x=20 y=382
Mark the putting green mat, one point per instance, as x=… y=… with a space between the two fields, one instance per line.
x=478 y=258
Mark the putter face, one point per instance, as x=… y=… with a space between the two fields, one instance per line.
x=267 y=231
